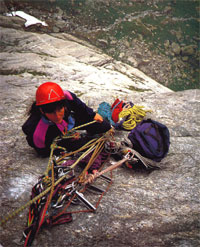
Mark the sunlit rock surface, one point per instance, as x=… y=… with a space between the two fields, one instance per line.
x=160 y=208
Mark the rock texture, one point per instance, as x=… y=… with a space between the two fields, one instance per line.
x=159 y=38
x=160 y=208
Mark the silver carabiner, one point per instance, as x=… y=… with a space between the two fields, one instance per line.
x=129 y=155
x=62 y=173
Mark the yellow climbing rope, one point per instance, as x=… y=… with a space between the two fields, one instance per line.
x=132 y=116
x=93 y=145
x=14 y=213
x=54 y=145
x=98 y=148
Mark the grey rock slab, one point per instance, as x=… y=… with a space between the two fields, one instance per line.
x=158 y=208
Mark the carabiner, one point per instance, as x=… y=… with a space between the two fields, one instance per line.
x=129 y=155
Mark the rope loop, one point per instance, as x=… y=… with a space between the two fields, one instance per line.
x=132 y=116
x=95 y=145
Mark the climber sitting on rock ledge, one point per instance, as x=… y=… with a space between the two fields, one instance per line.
x=54 y=113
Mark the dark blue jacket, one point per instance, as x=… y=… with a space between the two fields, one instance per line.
x=40 y=132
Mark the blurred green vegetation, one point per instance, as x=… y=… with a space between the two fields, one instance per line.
x=156 y=20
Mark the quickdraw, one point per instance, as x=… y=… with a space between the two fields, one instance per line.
x=60 y=187
x=57 y=186
x=46 y=177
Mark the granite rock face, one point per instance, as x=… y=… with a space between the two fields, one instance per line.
x=160 y=208
x=151 y=37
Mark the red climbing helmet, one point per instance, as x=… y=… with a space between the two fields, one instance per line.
x=49 y=92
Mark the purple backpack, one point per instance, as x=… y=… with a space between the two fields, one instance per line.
x=150 y=139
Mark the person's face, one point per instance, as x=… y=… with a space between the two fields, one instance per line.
x=56 y=116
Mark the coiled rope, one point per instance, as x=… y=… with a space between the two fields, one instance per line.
x=132 y=116
x=51 y=183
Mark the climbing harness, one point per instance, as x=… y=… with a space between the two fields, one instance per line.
x=46 y=179
x=60 y=186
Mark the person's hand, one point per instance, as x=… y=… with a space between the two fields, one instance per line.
x=98 y=118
